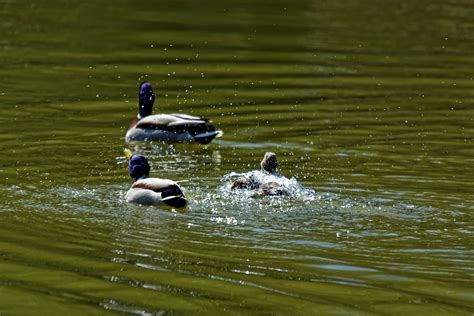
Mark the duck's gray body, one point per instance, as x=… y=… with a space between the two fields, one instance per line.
x=154 y=191
x=172 y=128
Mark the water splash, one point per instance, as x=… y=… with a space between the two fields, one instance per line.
x=279 y=186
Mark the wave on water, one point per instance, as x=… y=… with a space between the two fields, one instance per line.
x=254 y=145
x=221 y=203
x=236 y=206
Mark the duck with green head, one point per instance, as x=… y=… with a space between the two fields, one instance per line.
x=152 y=191
x=169 y=128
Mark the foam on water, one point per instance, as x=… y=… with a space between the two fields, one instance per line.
x=290 y=188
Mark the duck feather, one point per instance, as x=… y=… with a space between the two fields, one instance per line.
x=190 y=117
x=154 y=184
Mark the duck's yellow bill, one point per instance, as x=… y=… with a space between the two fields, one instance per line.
x=128 y=153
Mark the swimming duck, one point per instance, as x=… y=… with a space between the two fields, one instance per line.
x=152 y=191
x=263 y=182
x=167 y=127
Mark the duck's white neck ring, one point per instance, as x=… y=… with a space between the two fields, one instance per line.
x=142 y=177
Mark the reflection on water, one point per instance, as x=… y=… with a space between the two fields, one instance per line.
x=368 y=107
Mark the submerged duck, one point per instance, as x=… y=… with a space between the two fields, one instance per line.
x=167 y=127
x=263 y=182
x=152 y=191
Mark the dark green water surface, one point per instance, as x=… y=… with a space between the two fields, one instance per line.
x=370 y=104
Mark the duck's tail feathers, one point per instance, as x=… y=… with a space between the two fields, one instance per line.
x=206 y=137
x=175 y=200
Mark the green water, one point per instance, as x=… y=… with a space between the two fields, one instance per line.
x=368 y=104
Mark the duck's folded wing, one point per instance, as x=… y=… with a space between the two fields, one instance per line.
x=158 y=119
x=166 y=120
x=154 y=184
x=190 y=117
x=185 y=123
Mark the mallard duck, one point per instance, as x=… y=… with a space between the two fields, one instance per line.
x=171 y=128
x=263 y=182
x=152 y=191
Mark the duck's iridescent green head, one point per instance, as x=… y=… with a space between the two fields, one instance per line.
x=138 y=167
x=146 y=98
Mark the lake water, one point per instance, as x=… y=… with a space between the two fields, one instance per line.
x=368 y=105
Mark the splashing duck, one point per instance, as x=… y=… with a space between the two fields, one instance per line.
x=171 y=128
x=151 y=191
x=263 y=182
